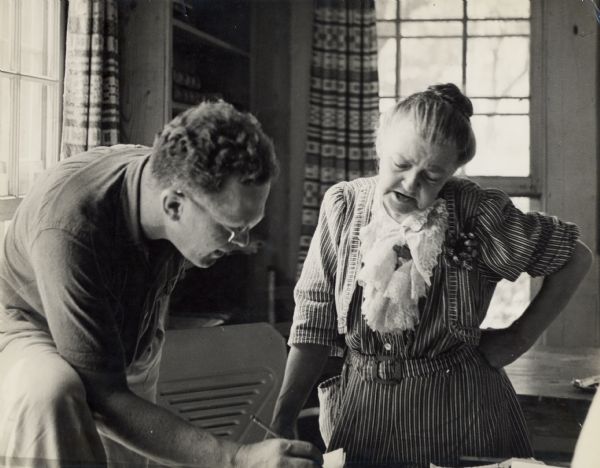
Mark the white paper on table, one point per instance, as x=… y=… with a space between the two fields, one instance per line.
x=335 y=459
x=511 y=463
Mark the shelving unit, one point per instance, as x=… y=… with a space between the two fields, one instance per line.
x=209 y=42
x=174 y=54
x=208 y=38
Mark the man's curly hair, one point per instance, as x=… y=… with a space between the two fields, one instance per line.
x=208 y=143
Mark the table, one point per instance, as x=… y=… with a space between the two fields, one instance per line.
x=553 y=407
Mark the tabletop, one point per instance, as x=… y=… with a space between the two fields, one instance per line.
x=546 y=371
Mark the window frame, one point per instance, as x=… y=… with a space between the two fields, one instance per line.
x=10 y=203
x=533 y=185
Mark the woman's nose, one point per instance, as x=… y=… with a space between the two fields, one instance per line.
x=409 y=182
x=241 y=238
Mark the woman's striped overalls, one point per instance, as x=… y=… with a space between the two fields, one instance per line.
x=425 y=395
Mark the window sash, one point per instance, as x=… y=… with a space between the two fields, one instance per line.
x=527 y=186
x=51 y=76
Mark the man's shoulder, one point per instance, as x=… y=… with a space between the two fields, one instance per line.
x=116 y=155
x=80 y=194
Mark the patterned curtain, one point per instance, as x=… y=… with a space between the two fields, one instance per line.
x=91 y=87
x=344 y=104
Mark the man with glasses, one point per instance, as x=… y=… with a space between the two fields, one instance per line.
x=86 y=270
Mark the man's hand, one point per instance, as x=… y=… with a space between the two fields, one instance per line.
x=278 y=453
x=502 y=347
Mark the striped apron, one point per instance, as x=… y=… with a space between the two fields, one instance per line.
x=390 y=409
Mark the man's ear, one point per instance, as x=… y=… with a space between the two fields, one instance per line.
x=172 y=203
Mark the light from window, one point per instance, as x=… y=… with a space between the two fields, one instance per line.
x=484 y=48
x=29 y=92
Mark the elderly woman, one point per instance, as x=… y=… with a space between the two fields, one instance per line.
x=399 y=277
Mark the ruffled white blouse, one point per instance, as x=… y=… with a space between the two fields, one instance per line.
x=398 y=261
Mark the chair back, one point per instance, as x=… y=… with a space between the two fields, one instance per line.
x=215 y=378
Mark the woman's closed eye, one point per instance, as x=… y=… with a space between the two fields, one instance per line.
x=402 y=166
x=433 y=178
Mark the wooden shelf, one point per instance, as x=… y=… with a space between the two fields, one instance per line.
x=209 y=39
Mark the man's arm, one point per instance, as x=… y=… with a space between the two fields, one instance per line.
x=305 y=364
x=160 y=435
x=502 y=347
x=85 y=333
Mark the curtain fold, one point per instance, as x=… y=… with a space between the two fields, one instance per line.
x=91 y=83
x=344 y=104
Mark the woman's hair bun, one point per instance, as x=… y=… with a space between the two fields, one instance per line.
x=450 y=93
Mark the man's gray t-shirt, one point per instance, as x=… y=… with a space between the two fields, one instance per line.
x=75 y=260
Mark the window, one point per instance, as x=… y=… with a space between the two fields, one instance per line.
x=484 y=47
x=30 y=82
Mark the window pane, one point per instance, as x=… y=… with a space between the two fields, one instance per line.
x=386 y=61
x=502 y=146
x=429 y=61
x=386 y=28
x=498 y=9
x=7 y=31
x=498 y=66
x=431 y=28
x=39 y=37
x=386 y=103
x=38 y=129
x=386 y=9
x=431 y=9
x=3 y=228
x=500 y=106
x=489 y=28
x=6 y=98
x=523 y=203
x=508 y=303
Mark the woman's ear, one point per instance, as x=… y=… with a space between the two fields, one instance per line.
x=172 y=203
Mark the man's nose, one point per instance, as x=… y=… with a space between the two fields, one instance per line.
x=241 y=239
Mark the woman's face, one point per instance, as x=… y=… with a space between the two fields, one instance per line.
x=412 y=171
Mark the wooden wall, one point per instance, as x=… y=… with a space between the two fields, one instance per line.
x=570 y=71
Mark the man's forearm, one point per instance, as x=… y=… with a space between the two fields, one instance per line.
x=305 y=364
x=160 y=435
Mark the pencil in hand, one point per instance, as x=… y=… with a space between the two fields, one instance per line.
x=266 y=428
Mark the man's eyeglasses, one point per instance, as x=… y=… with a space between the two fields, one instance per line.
x=239 y=236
